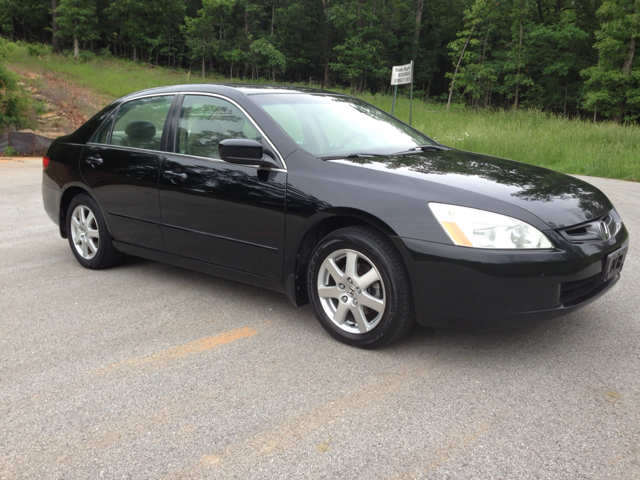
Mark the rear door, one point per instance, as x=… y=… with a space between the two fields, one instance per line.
x=214 y=211
x=121 y=165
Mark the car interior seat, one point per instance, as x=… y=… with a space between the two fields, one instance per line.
x=142 y=134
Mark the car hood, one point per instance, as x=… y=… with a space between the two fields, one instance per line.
x=557 y=199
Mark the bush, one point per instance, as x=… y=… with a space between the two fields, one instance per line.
x=9 y=151
x=37 y=50
x=13 y=102
x=105 y=53
x=86 y=56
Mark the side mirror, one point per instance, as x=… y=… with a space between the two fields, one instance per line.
x=243 y=151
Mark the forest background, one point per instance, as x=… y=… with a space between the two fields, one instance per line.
x=570 y=57
x=550 y=61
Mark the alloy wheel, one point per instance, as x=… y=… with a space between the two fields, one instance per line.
x=84 y=232
x=351 y=291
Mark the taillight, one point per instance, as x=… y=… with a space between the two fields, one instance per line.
x=45 y=162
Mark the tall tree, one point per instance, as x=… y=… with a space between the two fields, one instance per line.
x=77 y=20
x=55 y=39
x=614 y=84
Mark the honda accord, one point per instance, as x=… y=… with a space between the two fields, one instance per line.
x=332 y=201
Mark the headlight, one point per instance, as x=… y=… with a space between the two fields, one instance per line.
x=470 y=227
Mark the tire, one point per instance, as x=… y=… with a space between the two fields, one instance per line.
x=359 y=288
x=88 y=236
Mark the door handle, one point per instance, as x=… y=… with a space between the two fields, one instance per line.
x=93 y=161
x=174 y=175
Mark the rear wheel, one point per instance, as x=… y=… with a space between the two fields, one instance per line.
x=359 y=288
x=88 y=237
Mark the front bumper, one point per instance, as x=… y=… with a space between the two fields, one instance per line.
x=462 y=287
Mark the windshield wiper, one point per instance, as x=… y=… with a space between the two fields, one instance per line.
x=425 y=148
x=352 y=155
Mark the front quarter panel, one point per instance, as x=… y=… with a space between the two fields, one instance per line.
x=317 y=187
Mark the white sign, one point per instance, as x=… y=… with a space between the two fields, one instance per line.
x=402 y=74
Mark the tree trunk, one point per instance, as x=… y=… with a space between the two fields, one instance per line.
x=134 y=54
x=202 y=61
x=54 y=27
x=416 y=33
x=327 y=43
x=453 y=80
x=76 y=47
x=566 y=90
x=628 y=62
x=246 y=34
x=373 y=13
x=515 y=105
x=540 y=11
x=273 y=16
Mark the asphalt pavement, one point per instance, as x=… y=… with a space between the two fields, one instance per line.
x=153 y=371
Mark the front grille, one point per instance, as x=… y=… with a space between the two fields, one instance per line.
x=592 y=231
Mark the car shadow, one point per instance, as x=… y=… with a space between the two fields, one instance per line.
x=538 y=341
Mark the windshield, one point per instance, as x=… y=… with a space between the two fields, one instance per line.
x=333 y=126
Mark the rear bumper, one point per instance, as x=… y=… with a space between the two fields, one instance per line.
x=51 y=196
x=482 y=289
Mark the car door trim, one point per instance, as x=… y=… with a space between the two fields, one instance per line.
x=133 y=218
x=218 y=160
x=266 y=247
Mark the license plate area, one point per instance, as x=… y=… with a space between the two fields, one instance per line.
x=614 y=263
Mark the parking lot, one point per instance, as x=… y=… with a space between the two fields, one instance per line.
x=153 y=371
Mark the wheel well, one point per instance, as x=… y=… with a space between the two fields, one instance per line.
x=67 y=196
x=311 y=240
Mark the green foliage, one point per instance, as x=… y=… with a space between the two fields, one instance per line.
x=86 y=56
x=77 y=19
x=363 y=53
x=531 y=136
x=265 y=56
x=25 y=19
x=613 y=86
x=13 y=103
x=147 y=25
x=9 y=151
x=570 y=57
x=37 y=49
x=105 y=53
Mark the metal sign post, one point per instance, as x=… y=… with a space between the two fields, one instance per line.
x=401 y=75
x=411 y=95
x=393 y=102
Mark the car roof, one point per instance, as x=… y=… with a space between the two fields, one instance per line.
x=227 y=88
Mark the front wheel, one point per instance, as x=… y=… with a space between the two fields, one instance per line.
x=359 y=288
x=88 y=236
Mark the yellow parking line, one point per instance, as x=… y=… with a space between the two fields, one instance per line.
x=196 y=346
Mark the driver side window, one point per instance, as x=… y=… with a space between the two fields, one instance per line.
x=206 y=121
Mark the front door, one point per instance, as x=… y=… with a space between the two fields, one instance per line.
x=220 y=213
x=122 y=165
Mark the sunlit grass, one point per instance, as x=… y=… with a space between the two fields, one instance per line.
x=570 y=146
x=567 y=145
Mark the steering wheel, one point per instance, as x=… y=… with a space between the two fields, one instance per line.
x=349 y=138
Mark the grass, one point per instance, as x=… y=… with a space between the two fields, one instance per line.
x=567 y=145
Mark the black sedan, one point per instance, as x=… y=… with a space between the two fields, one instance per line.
x=332 y=201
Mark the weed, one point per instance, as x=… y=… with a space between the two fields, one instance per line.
x=9 y=151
